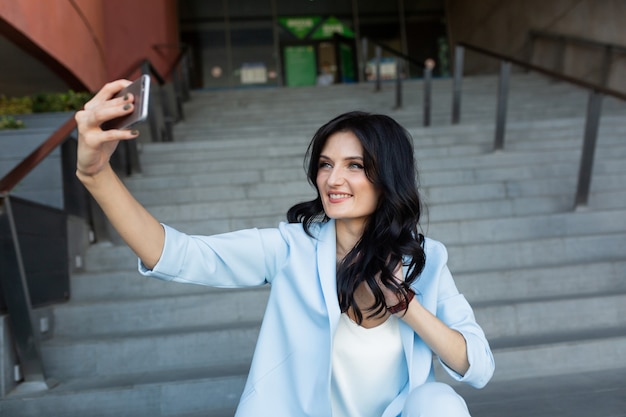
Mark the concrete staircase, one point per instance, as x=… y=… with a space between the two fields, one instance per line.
x=548 y=284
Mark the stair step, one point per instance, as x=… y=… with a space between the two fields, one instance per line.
x=427 y=147
x=270 y=199
x=594 y=393
x=524 y=317
x=159 y=394
x=571 y=356
x=567 y=280
x=543 y=316
x=539 y=252
x=477 y=286
x=546 y=282
x=142 y=395
x=434 y=214
x=125 y=284
x=438 y=188
x=215 y=307
x=181 y=348
x=548 y=251
x=527 y=227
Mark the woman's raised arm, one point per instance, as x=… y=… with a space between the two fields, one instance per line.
x=139 y=229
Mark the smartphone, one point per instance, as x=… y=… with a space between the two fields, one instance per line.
x=140 y=89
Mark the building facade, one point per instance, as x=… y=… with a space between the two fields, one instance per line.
x=287 y=42
x=81 y=44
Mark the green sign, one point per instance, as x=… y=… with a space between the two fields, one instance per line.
x=331 y=26
x=300 y=67
x=299 y=26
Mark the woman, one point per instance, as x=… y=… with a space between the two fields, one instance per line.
x=360 y=300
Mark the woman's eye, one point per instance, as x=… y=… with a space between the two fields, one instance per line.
x=324 y=165
x=355 y=165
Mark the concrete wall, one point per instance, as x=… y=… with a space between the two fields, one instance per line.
x=89 y=42
x=503 y=26
x=133 y=28
x=67 y=34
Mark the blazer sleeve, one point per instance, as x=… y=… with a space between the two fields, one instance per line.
x=454 y=310
x=244 y=258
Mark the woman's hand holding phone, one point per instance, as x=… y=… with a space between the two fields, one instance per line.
x=139 y=229
x=95 y=145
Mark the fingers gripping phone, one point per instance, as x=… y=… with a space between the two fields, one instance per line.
x=140 y=89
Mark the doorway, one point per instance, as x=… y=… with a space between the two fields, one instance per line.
x=323 y=63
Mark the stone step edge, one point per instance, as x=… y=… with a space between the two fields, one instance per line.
x=208 y=291
x=439 y=137
x=263 y=291
x=119 y=250
x=536 y=341
x=68 y=340
x=554 y=298
x=132 y=381
x=252 y=324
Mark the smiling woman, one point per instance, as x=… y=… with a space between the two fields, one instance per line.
x=364 y=172
x=348 y=196
x=354 y=283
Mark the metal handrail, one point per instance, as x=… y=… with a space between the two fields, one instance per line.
x=426 y=66
x=550 y=73
x=13 y=177
x=594 y=108
x=15 y=289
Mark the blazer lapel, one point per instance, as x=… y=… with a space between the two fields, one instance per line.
x=327 y=270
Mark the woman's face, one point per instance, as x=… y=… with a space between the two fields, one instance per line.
x=347 y=194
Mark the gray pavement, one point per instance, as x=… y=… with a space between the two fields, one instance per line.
x=589 y=394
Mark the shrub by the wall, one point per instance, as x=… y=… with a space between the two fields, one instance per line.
x=38 y=103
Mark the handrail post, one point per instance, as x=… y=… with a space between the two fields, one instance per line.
x=503 y=94
x=17 y=300
x=606 y=65
x=364 y=56
x=429 y=64
x=168 y=116
x=592 y=122
x=379 y=54
x=559 y=56
x=530 y=47
x=399 y=65
x=459 y=52
x=185 y=69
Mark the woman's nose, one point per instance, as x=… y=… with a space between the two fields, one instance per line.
x=335 y=177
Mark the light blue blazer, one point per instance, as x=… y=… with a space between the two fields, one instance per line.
x=291 y=369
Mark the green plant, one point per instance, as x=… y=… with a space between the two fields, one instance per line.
x=43 y=103
x=9 y=122
x=15 y=105
x=52 y=102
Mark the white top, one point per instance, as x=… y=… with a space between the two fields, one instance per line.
x=368 y=368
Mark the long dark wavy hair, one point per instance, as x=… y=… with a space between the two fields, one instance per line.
x=391 y=233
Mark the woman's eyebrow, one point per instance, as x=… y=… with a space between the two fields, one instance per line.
x=347 y=158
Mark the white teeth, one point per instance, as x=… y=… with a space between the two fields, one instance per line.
x=339 y=195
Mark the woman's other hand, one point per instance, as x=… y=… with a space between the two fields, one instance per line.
x=95 y=146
